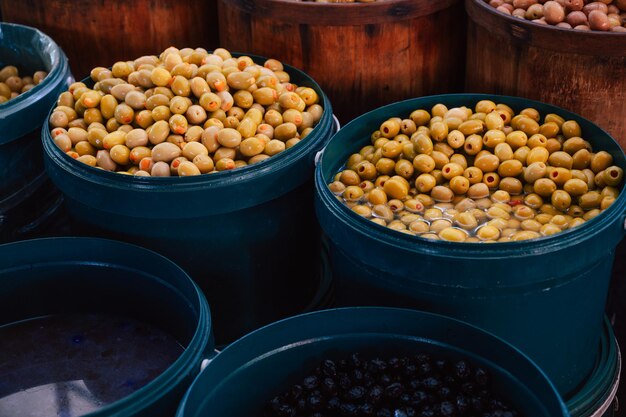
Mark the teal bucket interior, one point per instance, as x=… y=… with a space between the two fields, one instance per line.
x=545 y=296
x=247 y=374
x=44 y=277
x=248 y=236
x=23 y=198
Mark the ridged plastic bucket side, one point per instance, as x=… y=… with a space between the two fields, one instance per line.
x=76 y=275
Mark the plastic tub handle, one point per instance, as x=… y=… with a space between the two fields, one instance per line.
x=318 y=155
x=337 y=124
x=206 y=361
x=204 y=364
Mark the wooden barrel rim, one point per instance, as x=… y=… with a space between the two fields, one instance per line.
x=341 y=14
x=546 y=36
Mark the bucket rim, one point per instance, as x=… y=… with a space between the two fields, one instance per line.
x=615 y=214
x=280 y=326
x=197 y=349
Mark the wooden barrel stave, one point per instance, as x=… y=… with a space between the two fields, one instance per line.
x=99 y=33
x=363 y=66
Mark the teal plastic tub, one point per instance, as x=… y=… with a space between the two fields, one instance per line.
x=42 y=277
x=248 y=236
x=247 y=374
x=23 y=197
x=545 y=296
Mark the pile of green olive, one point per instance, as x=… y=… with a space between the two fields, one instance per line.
x=12 y=85
x=186 y=112
x=486 y=175
x=605 y=15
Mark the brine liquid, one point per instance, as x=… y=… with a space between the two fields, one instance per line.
x=71 y=365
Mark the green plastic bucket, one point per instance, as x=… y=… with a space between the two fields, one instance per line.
x=43 y=277
x=597 y=397
x=545 y=296
x=243 y=377
x=26 y=197
x=248 y=236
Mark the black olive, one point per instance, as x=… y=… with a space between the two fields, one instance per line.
x=310 y=382
x=394 y=391
x=355 y=393
x=447 y=409
x=462 y=370
x=329 y=368
x=418 y=386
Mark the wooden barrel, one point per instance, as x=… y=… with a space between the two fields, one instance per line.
x=100 y=32
x=363 y=55
x=584 y=72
